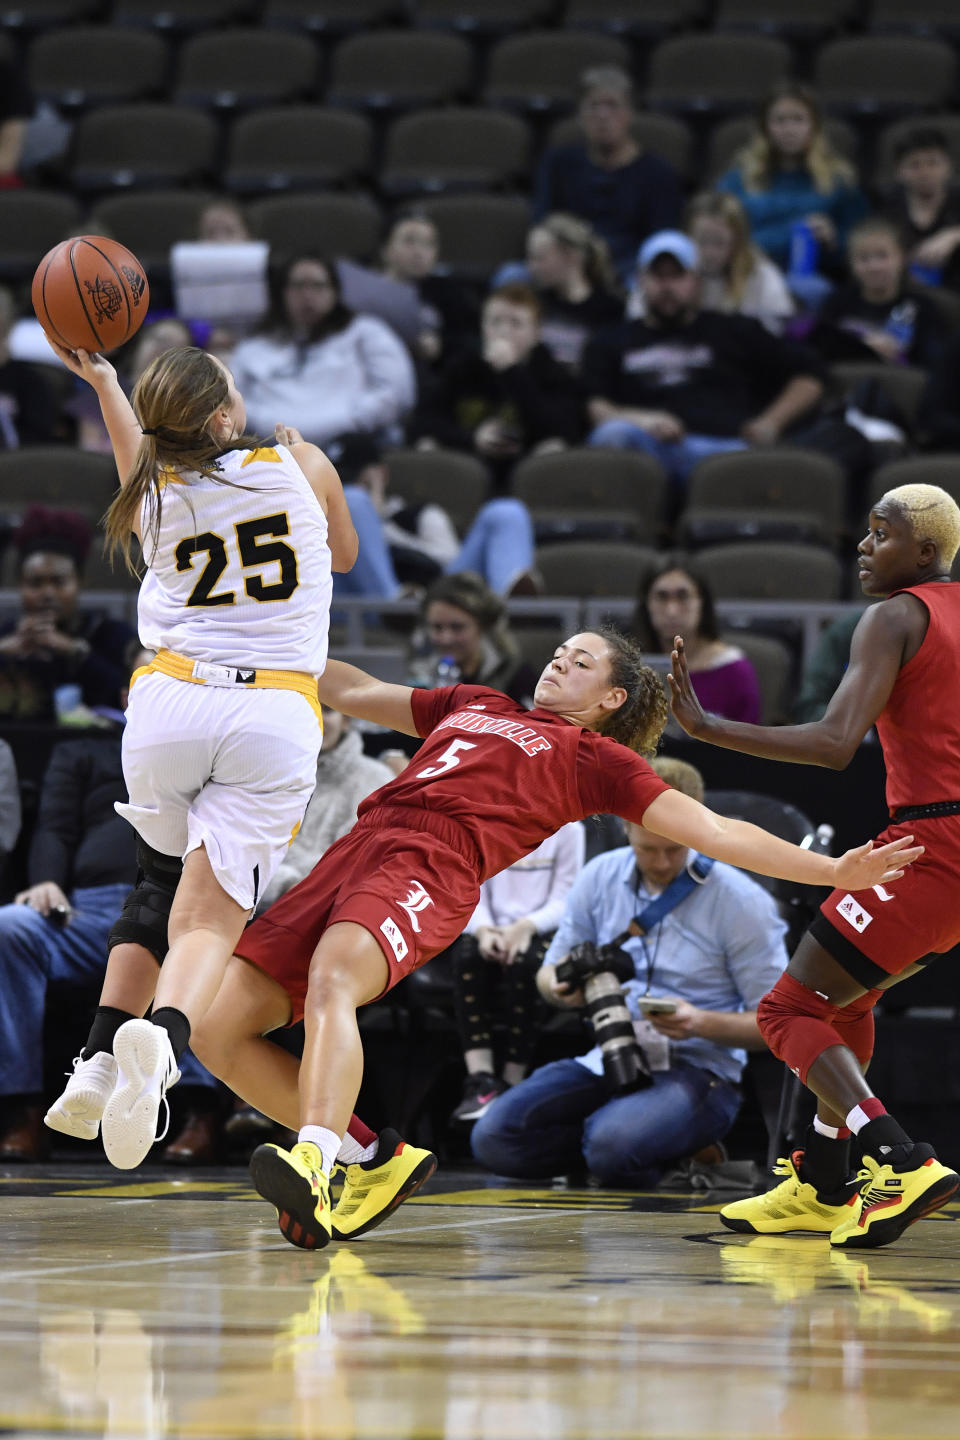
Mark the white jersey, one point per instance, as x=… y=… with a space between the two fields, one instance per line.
x=241 y=573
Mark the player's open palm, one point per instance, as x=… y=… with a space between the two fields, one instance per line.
x=870 y=864
x=687 y=710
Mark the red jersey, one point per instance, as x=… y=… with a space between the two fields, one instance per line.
x=509 y=777
x=919 y=728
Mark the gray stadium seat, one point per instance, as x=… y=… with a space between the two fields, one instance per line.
x=764 y=570
x=31 y=223
x=122 y=146
x=942 y=470
x=541 y=71
x=329 y=17
x=710 y=74
x=783 y=493
x=96 y=65
x=238 y=68
x=450 y=149
x=148 y=222
x=457 y=482
x=583 y=493
x=337 y=225
x=400 y=69
x=594 y=569
x=874 y=75
x=478 y=233
x=294 y=147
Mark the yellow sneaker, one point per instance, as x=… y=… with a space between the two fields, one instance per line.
x=372 y=1189
x=296 y=1184
x=889 y=1200
x=791 y=1205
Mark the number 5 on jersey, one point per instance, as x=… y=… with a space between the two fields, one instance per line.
x=448 y=759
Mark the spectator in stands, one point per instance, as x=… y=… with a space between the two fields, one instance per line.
x=449 y=311
x=28 y=406
x=82 y=863
x=711 y=946
x=466 y=640
x=735 y=275
x=925 y=206
x=404 y=546
x=56 y=654
x=825 y=669
x=15 y=109
x=608 y=179
x=876 y=315
x=790 y=174
x=494 y=963
x=9 y=804
x=684 y=383
x=223 y=222
x=676 y=600
x=570 y=268
x=507 y=398
x=152 y=340
x=938 y=411
x=317 y=366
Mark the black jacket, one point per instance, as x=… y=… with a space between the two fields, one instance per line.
x=79 y=839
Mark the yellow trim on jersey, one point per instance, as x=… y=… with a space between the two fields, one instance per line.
x=265 y=452
x=179 y=667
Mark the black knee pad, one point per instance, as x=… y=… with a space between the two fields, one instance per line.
x=146 y=910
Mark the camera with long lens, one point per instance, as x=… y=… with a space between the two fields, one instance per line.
x=599 y=971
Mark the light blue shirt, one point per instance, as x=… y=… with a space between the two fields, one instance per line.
x=721 y=948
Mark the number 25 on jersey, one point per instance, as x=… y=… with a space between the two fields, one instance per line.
x=253 y=555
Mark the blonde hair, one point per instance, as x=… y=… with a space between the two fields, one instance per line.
x=175 y=400
x=744 y=257
x=757 y=161
x=680 y=776
x=932 y=515
x=572 y=233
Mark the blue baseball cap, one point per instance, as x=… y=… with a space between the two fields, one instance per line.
x=668 y=242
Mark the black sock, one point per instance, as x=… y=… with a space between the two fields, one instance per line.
x=879 y=1136
x=177 y=1027
x=106 y=1023
x=826 y=1162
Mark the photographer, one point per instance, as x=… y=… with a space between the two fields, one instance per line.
x=712 y=947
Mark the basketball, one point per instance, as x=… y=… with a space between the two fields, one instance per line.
x=90 y=293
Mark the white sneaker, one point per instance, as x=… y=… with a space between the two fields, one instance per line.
x=79 y=1109
x=146 y=1069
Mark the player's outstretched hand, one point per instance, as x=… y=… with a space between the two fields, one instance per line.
x=687 y=710
x=91 y=367
x=287 y=434
x=871 y=864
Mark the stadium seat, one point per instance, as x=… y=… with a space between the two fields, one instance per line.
x=635 y=19
x=813 y=20
x=148 y=222
x=663 y=135
x=25 y=17
x=541 y=71
x=876 y=75
x=778 y=494
x=431 y=151
x=338 y=225
x=480 y=17
x=903 y=383
x=765 y=570
x=478 y=233
x=730 y=136
x=329 y=17
x=121 y=146
x=939 y=18
x=400 y=69
x=31 y=223
x=239 y=68
x=57 y=475
x=459 y=483
x=297 y=146
x=773 y=662
x=942 y=470
x=710 y=74
x=181 y=16
x=96 y=65
x=592 y=569
x=584 y=493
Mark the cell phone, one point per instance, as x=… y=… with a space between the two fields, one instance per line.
x=656 y=1005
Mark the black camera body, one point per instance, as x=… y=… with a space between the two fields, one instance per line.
x=599 y=971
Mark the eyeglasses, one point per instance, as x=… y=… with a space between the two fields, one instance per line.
x=665 y=596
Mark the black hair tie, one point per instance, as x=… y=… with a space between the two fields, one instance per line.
x=144 y=431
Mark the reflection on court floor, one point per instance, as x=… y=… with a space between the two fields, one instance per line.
x=154 y=1306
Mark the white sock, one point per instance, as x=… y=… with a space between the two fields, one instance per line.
x=832 y=1132
x=352 y=1152
x=326 y=1142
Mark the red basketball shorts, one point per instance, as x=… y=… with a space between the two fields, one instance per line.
x=412 y=889
x=896 y=925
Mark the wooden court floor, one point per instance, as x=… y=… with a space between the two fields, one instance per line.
x=158 y=1305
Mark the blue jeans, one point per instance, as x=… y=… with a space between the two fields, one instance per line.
x=499 y=546
x=678 y=457
x=562 y=1117
x=34 y=952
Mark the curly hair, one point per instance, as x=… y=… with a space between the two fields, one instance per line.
x=640 y=720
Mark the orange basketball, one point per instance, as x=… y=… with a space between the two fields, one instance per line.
x=90 y=293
